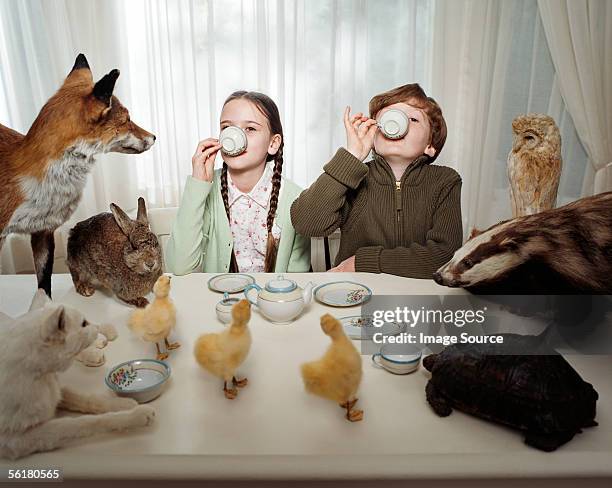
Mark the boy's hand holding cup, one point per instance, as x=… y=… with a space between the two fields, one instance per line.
x=203 y=161
x=360 y=132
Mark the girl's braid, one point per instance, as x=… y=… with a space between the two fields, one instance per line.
x=233 y=262
x=272 y=244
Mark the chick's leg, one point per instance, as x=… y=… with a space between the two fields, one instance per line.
x=230 y=393
x=348 y=404
x=160 y=355
x=171 y=345
x=353 y=415
x=240 y=383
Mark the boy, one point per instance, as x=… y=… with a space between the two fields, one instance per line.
x=398 y=213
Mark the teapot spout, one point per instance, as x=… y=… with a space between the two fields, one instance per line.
x=308 y=293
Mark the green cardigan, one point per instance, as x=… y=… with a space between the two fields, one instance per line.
x=201 y=239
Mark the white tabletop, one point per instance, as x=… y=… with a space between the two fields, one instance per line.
x=274 y=429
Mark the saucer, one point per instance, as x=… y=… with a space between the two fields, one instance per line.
x=342 y=293
x=230 y=282
x=354 y=327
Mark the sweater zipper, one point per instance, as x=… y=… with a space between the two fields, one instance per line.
x=398 y=213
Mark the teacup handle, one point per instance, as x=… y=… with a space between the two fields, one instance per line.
x=375 y=362
x=254 y=286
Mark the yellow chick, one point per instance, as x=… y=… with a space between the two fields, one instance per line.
x=337 y=374
x=155 y=322
x=222 y=353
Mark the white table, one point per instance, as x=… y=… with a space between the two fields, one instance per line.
x=274 y=429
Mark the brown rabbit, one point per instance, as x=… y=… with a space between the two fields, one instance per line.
x=115 y=252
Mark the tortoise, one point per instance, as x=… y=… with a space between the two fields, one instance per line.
x=541 y=394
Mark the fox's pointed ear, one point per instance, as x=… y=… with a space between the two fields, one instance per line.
x=54 y=326
x=80 y=63
x=80 y=72
x=122 y=219
x=40 y=299
x=103 y=89
x=142 y=211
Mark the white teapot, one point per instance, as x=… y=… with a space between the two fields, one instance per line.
x=282 y=300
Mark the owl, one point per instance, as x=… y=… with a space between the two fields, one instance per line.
x=534 y=164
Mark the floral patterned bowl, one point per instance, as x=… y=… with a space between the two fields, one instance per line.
x=140 y=379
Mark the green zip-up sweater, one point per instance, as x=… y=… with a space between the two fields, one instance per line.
x=201 y=238
x=408 y=228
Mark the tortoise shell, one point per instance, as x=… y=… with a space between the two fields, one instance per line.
x=541 y=394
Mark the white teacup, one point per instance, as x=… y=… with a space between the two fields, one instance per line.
x=396 y=363
x=233 y=140
x=224 y=308
x=393 y=124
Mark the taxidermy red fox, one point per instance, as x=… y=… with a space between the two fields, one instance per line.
x=43 y=173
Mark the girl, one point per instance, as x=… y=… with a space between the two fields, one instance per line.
x=237 y=218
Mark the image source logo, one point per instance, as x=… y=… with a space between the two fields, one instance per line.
x=577 y=324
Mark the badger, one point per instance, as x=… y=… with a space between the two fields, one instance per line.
x=566 y=250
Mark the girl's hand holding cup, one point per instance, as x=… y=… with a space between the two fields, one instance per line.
x=203 y=161
x=360 y=132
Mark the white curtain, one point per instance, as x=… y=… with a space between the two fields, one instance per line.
x=579 y=34
x=492 y=64
x=180 y=59
x=311 y=57
x=485 y=62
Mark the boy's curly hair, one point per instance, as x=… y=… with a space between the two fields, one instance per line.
x=414 y=95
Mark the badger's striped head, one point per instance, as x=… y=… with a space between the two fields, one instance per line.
x=485 y=257
x=572 y=241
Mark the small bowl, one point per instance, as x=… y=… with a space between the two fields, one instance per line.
x=140 y=379
x=397 y=363
x=224 y=309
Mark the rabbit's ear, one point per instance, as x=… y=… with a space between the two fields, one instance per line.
x=123 y=221
x=142 y=212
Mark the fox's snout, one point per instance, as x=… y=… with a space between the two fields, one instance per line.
x=134 y=140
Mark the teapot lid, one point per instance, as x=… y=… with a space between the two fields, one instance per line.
x=281 y=285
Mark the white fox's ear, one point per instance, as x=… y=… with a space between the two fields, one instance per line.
x=40 y=299
x=54 y=326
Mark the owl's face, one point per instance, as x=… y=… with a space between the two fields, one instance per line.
x=525 y=140
x=533 y=131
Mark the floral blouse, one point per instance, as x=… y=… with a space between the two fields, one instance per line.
x=248 y=216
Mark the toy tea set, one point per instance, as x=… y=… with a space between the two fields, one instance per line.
x=281 y=301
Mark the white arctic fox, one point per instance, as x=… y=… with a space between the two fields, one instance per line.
x=33 y=349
